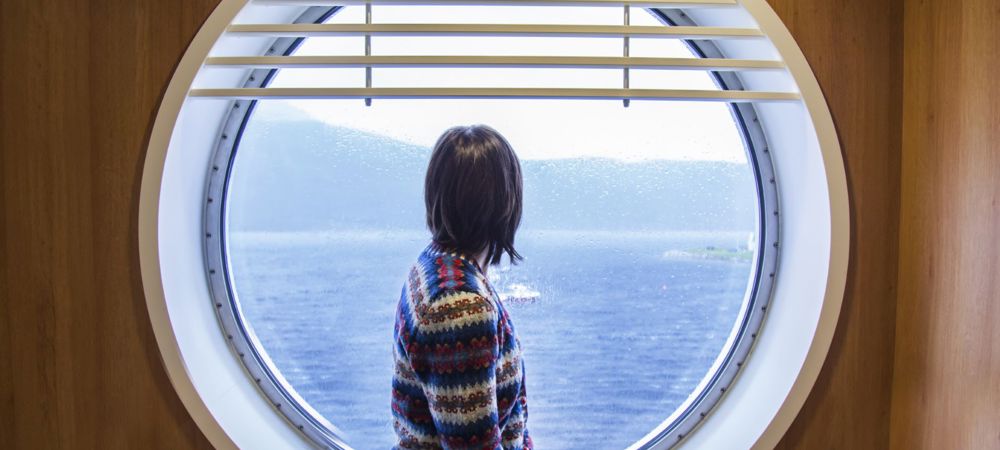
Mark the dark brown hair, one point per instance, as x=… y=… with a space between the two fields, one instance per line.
x=473 y=193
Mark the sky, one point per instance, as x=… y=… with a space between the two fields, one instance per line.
x=537 y=129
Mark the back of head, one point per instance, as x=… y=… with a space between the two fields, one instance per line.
x=473 y=192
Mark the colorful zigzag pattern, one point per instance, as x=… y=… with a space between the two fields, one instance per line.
x=459 y=376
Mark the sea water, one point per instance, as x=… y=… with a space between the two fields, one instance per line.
x=625 y=327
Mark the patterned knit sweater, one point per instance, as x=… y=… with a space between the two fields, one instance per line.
x=459 y=377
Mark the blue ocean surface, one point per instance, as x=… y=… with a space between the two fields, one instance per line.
x=625 y=326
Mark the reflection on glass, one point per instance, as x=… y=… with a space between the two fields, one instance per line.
x=638 y=236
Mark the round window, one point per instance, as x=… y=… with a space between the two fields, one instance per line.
x=645 y=131
x=642 y=230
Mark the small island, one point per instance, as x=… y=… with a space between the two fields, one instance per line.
x=711 y=253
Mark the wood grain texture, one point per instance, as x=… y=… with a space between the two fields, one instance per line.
x=946 y=388
x=79 y=87
x=854 y=48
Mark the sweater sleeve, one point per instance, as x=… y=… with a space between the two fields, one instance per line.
x=454 y=353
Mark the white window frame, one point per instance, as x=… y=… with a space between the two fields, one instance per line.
x=755 y=411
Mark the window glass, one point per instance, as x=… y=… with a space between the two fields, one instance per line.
x=639 y=230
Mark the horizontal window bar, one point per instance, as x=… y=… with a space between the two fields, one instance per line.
x=316 y=62
x=497 y=93
x=636 y=3
x=423 y=29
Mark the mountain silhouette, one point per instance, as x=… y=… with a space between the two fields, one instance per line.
x=296 y=174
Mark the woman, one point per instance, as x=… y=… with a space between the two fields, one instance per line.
x=459 y=377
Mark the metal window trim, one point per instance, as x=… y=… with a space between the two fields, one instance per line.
x=758 y=296
x=242 y=340
x=320 y=431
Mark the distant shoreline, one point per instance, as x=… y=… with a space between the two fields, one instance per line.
x=381 y=234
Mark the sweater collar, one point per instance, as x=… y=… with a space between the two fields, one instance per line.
x=436 y=248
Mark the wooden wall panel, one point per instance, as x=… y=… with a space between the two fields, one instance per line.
x=81 y=80
x=854 y=48
x=80 y=83
x=946 y=390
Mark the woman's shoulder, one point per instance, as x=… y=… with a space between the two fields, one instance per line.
x=447 y=294
x=444 y=274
